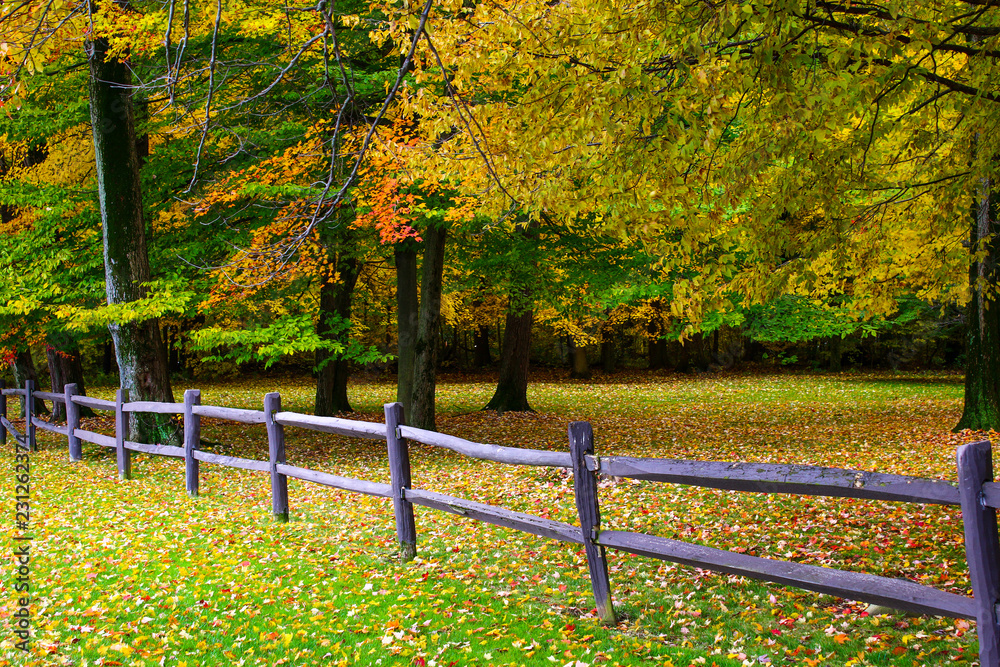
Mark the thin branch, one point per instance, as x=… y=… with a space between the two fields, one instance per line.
x=208 y=99
x=166 y=48
x=460 y=105
x=323 y=202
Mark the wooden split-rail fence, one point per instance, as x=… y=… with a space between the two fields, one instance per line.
x=976 y=493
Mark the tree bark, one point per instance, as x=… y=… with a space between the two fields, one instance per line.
x=512 y=388
x=334 y=319
x=982 y=354
x=481 y=345
x=607 y=351
x=836 y=354
x=407 y=316
x=580 y=367
x=332 y=369
x=141 y=362
x=428 y=330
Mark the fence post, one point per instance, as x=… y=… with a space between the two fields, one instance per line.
x=121 y=435
x=192 y=438
x=982 y=548
x=399 y=471
x=581 y=443
x=276 y=451
x=29 y=415
x=72 y=422
x=3 y=413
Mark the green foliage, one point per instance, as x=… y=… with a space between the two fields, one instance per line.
x=289 y=335
x=798 y=319
x=794 y=319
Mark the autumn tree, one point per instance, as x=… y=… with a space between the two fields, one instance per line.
x=51 y=259
x=414 y=211
x=836 y=151
x=36 y=37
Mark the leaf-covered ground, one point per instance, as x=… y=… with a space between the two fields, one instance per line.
x=136 y=573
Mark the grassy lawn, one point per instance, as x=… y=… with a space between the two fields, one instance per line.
x=136 y=573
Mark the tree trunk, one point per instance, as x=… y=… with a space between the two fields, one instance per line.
x=142 y=364
x=512 y=388
x=580 y=369
x=24 y=370
x=57 y=380
x=607 y=351
x=108 y=358
x=407 y=315
x=836 y=354
x=982 y=322
x=683 y=364
x=481 y=344
x=608 y=354
x=65 y=368
x=428 y=330
x=332 y=369
x=657 y=345
x=657 y=353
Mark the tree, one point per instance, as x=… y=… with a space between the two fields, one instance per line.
x=281 y=63
x=511 y=394
x=265 y=306
x=428 y=329
x=37 y=36
x=52 y=252
x=816 y=148
x=142 y=361
x=334 y=319
x=407 y=317
x=412 y=209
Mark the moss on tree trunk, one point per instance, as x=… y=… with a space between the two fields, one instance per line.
x=982 y=325
x=141 y=360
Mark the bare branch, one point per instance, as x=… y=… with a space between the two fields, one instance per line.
x=208 y=99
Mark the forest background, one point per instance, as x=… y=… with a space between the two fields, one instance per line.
x=206 y=189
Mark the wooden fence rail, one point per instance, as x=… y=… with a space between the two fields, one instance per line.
x=976 y=493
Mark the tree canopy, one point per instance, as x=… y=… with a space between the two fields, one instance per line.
x=816 y=160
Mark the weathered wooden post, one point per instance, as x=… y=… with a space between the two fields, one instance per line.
x=982 y=548
x=73 y=422
x=399 y=471
x=121 y=435
x=3 y=413
x=192 y=437
x=29 y=416
x=276 y=451
x=581 y=444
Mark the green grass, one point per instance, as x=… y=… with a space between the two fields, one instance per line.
x=136 y=573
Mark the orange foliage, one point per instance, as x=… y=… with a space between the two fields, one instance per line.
x=391 y=211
